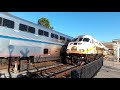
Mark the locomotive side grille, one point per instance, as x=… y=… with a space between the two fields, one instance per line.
x=75 y=43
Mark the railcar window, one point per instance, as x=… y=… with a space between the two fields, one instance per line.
x=52 y=35
x=46 y=34
x=31 y=29
x=22 y=27
x=56 y=36
x=45 y=51
x=86 y=39
x=40 y=32
x=8 y=23
x=61 y=38
x=64 y=38
x=0 y=21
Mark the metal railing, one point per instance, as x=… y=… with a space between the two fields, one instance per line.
x=89 y=70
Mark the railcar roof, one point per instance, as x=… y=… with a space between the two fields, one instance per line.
x=6 y=13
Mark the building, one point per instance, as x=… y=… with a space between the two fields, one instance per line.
x=114 y=48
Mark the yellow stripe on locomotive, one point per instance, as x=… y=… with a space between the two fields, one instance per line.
x=81 y=51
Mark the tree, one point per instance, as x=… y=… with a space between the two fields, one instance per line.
x=44 y=22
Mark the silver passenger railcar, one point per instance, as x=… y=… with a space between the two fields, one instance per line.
x=21 y=38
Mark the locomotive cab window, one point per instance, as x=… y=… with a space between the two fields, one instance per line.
x=86 y=40
x=0 y=21
x=8 y=23
x=45 y=51
x=31 y=29
x=75 y=39
x=22 y=27
x=80 y=39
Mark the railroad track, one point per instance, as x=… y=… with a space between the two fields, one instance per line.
x=54 y=71
x=43 y=64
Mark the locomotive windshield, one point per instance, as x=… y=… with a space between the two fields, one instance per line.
x=75 y=39
x=80 y=39
x=86 y=39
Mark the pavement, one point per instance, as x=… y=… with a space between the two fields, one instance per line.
x=108 y=73
x=110 y=69
x=110 y=62
x=4 y=74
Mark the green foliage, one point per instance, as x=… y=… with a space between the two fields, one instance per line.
x=51 y=28
x=44 y=22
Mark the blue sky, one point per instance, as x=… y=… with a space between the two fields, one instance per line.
x=103 y=26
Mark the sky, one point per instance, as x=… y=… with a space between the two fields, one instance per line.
x=103 y=26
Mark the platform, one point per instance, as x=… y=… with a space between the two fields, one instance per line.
x=110 y=69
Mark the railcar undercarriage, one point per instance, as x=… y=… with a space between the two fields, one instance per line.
x=81 y=58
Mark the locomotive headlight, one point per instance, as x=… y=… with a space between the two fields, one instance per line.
x=74 y=48
x=82 y=50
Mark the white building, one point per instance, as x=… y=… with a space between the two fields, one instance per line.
x=114 y=46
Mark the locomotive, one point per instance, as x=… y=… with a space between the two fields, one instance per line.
x=84 y=48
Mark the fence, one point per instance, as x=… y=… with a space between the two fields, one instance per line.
x=89 y=70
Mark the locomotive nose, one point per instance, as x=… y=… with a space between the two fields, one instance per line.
x=75 y=43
